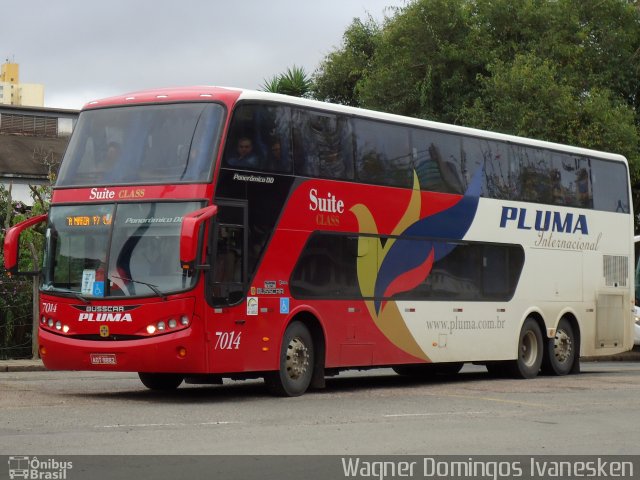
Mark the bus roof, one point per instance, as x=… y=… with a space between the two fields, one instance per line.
x=230 y=96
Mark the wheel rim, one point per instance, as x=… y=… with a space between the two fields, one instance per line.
x=562 y=346
x=529 y=349
x=297 y=362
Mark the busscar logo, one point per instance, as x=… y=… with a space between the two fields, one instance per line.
x=105 y=313
x=37 y=469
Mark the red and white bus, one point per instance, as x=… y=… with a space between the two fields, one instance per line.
x=203 y=233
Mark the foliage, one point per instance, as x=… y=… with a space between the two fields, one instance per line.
x=339 y=74
x=558 y=70
x=294 y=82
x=16 y=293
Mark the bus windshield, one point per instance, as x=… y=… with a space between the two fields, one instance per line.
x=149 y=144
x=116 y=250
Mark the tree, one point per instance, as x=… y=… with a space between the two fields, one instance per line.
x=16 y=301
x=337 y=78
x=424 y=64
x=558 y=70
x=294 y=82
x=19 y=302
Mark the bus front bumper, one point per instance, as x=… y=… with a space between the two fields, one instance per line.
x=177 y=352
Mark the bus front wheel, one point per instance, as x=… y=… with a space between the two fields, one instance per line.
x=297 y=358
x=530 y=351
x=160 y=381
x=561 y=350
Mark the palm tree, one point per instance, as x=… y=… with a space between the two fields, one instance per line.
x=294 y=82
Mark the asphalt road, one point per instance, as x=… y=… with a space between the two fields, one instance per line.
x=374 y=412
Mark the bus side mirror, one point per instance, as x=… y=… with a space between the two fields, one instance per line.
x=12 y=246
x=189 y=234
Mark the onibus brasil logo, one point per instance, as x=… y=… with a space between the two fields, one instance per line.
x=37 y=469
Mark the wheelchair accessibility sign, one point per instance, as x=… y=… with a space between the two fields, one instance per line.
x=284 y=305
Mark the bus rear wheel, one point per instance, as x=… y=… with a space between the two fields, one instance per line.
x=164 y=382
x=561 y=350
x=297 y=358
x=530 y=351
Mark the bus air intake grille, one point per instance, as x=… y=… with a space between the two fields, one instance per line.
x=113 y=338
x=616 y=270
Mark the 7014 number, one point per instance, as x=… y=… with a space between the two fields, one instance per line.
x=227 y=340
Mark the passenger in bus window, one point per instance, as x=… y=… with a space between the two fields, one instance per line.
x=112 y=156
x=278 y=161
x=245 y=157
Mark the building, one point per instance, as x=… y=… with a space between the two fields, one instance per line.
x=32 y=142
x=12 y=92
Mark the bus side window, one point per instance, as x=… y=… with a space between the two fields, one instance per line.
x=259 y=139
x=322 y=145
x=383 y=153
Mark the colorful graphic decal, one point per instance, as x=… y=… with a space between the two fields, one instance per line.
x=402 y=263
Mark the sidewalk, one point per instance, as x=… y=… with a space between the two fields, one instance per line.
x=37 y=366
x=630 y=356
x=21 y=366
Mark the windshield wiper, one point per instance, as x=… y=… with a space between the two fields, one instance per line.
x=153 y=287
x=70 y=292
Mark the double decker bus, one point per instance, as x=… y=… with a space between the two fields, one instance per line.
x=204 y=233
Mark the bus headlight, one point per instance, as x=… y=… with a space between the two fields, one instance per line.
x=165 y=326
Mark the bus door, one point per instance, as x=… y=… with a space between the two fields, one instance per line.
x=226 y=286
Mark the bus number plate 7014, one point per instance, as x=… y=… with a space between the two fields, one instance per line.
x=227 y=340
x=103 y=359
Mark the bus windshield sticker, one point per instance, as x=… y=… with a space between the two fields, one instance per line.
x=88 y=279
x=252 y=306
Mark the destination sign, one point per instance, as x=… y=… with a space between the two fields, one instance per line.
x=88 y=220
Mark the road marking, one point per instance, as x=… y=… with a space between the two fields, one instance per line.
x=431 y=414
x=494 y=400
x=143 y=425
x=502 y=400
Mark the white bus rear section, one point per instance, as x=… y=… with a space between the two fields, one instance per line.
x=583 y=276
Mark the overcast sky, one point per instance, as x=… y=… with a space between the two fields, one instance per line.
x=87 y=49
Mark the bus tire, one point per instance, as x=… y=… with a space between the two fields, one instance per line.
x=297 y=358
x=530 y=351
x=164 y=382
x=560 y=353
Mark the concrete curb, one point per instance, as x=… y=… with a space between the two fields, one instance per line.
x=632 y=356
x=21 y=366
x=37 y=366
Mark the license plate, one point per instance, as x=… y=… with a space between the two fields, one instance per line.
x=103 y=359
